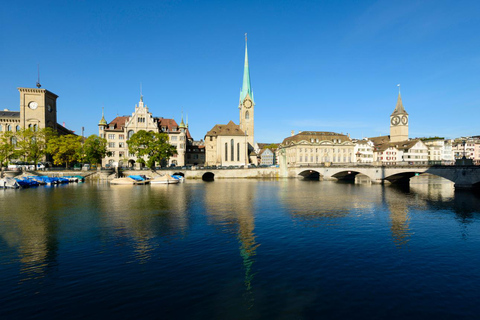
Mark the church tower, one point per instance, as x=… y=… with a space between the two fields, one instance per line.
x=246 y=103
x=399 y=122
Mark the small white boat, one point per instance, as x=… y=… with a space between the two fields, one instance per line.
x=9 y=183
x=128 y=181
x=166 y=179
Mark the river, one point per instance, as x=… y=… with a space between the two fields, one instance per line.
x=240 y=249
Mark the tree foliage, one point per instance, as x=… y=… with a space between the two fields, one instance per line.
x=94 y=149
x=7 y=149
x=151 y=145
x=65 y=149
x=32 y=145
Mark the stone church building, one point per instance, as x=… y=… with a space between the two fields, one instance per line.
x=232 y=144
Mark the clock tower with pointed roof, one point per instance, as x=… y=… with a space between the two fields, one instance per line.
x=399 y=122
x=246 y=103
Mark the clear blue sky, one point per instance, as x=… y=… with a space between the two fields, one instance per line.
x=314 y=65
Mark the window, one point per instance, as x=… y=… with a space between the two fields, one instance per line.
x=182 y=138
x=121 y=144
x=0 y=127
x=238 y=151
x=13 y=140
x=35 y=127
x=129 y=134
x=121 y=137
x=141 y=119
x=226 y=151
x=173 y=138
x=121 y=154
x=17 y=128
x=247 y=115
x=111 y=144
x=9 y=128
x=211 y=138
x=231 y=149
x=111 y=137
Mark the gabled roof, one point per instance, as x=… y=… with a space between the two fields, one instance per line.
x=229 y=129
x=118 y=123
x=169 y=124
x=399 y=107
x=380 y=140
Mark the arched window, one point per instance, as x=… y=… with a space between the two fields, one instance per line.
x=9 y=128
x=35 y=127
x=13 y=140
x=129 y=134
x=30 y=126
x=231 y=150
x=1 y=127
x=17 y=128
x=226 y=151
x=238 y=151
x=247 y=115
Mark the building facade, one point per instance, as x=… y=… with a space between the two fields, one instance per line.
x=38 y=110
x=120 y=129
x=316 y=148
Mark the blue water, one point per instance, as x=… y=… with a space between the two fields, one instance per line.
x=240 y=249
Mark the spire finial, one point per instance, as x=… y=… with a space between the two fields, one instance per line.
x=38 y=79
x=398 y=85
x=245 y=37
x=141 y=95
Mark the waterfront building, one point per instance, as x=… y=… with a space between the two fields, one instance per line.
x=439 y=150
x=120 y=129
x=267 y=157
x=363 y=151
x=232 y=144
x=195 y=155
x=387 y=155
x=317 y=147
x=226 y=145
x=38 y=110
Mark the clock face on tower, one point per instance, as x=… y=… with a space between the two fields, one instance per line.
x=404 y=120
x=33 y=105
x=395 y=120
x=247 y=103
x=49 y=108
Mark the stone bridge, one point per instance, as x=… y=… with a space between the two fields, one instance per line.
x=464 y=177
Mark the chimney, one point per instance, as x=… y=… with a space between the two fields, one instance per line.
x=293 y=133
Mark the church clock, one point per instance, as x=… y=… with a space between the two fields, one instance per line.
x=247 y=103
x=395 y=120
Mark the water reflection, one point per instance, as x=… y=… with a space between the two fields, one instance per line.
x=231 y=205
x=145 y=214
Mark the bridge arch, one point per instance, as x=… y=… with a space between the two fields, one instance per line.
x=179 y=174
x=346 y=175
x=208 y=176
x=311 y=175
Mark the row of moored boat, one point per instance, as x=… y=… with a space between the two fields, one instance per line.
x=33 y=181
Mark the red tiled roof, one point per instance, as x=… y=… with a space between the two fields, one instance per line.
x=118 y=123
x=230 y=129
x=169 y=124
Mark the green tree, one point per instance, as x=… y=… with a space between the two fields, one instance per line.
x=7 y=149
x=31 y=144
x=95 y=149
x=65 y=149
x=154 y=146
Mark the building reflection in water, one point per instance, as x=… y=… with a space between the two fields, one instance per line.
x=326 y=203
x=146 y=214
x=29 y=225
x=231 y=204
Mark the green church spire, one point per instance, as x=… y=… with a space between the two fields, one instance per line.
x=246 y=86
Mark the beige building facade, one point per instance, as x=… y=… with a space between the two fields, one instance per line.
x=38 y=110
x=316 y=148
x=120 y=129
